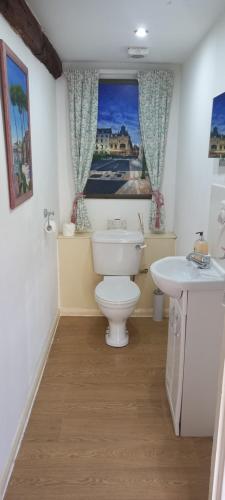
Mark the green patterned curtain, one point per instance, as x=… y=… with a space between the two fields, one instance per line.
x=83 y=109
x=155 y=95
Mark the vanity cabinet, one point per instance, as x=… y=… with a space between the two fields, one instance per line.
x=193 y=355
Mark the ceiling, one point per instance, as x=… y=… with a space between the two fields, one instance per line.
x=102 y=30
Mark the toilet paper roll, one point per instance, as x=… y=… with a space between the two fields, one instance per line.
x=68 y=229
x=50 y=227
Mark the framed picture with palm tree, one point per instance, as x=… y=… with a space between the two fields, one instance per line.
x=15 y=94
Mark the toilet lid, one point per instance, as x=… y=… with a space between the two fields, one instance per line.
x=117 y=289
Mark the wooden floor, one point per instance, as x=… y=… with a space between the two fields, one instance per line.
x=100 y=428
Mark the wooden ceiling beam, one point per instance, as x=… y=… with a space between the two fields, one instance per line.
x=20 y=17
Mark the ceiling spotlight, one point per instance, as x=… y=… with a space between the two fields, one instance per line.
x=141 y=32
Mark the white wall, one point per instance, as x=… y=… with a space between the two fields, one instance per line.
x=101 y=210
x=203 y=77
x=28 y=269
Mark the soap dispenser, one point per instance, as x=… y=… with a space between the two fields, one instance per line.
x=201 y=245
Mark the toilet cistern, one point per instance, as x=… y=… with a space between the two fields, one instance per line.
x=116 y=256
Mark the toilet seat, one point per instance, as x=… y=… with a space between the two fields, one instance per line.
x=117 y=291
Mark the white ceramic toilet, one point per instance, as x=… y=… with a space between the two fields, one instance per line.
x=116 y=256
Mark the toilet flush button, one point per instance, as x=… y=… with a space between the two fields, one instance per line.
x=116 y=223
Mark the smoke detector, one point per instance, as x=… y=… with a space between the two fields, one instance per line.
x=138 y=52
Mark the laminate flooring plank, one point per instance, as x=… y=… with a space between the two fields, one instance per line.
x=101 y=429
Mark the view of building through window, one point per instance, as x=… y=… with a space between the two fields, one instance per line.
x=118 y=167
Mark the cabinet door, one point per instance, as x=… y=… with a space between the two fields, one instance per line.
x=175 y=360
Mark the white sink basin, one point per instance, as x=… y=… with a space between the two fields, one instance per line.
x=175 y=274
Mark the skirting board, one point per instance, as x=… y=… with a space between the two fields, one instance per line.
x=4 y=480
x=142 y=313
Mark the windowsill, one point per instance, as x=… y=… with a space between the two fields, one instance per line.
x=117 y=197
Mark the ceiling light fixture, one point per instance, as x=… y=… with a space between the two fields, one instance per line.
x=141 y=32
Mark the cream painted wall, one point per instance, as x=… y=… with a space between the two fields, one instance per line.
x=28 y=270
x=101 y=210
x=77 y=288
x=203 y=77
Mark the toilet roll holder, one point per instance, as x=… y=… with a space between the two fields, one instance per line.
x=47 y=215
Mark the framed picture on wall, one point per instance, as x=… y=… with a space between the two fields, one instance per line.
x=15 y=93
x=217 y=131
x=118 y=168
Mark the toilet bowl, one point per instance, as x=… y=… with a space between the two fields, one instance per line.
x=117 y=297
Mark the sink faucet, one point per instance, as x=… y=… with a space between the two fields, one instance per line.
x=201 y=259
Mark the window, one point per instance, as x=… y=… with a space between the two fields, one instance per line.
x=118 y=168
